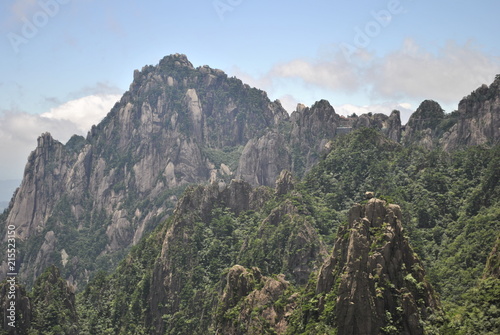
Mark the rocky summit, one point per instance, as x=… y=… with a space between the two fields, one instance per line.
x=176 y=125
x=200 y=206
x=378 y=280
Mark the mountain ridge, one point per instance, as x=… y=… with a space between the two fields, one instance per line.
x=178 y=125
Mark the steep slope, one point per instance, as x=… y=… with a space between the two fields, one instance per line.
x=478 y=119
x=82 y=204
x=234 y=259
x=373 y=280
x=423 y=126
x=476 y=122
x=480 y=314
x=237 y=260
x=49 y=309
x=172 y=281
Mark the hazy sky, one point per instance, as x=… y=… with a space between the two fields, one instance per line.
x=64 y=63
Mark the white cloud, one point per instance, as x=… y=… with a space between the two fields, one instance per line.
x=288 y=102
x=18 y=135
x=446 y=76
x=84 y=112
x=334 y=73
x=409 y=74
x=19 y=131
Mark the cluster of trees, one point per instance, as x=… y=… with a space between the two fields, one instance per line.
x=451 y=208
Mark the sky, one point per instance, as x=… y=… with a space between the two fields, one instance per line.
x=65 y=63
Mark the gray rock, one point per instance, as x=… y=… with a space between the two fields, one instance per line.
x=371 y=267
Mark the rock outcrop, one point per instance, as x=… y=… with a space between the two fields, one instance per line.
x=423 y=126
x=390 y=125
x=179 y=256
x=476 y=122
x=477 y=119
x=312 y=127
x=286 y=241
x=378 y=282
x=82 y=203
x=175 y=126
x=242 y=297
x=492 y=269
x=263 y=159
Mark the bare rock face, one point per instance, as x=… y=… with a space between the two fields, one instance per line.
x=390 y=126
x=44 y=175
x=171 y=275
x=297 y=251
x=169 y=130
x=263 y=159
x=311 y=128
x=492 y=268
x=476 y=122
x=284 y=183
x=378 y=280
x=422 y=127
x=243 y=296
x=179 y=125
x=240 y=282
x=478 y=119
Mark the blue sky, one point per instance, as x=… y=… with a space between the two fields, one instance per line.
x=64 y=63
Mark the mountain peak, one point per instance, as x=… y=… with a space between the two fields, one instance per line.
x=45 y=139
x=385 y=276
x=176 y=60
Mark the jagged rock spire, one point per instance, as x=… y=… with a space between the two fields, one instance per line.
x=378 y=279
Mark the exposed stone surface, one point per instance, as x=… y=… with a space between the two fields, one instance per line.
x=390 y=126
x=240 y=282
x=196 y=206
x=246 y=298
x=303 y=251
x=478 y=119
x=375 y=273
x=263 y=159
x=284 y=183
x=166 y=132
x=422 y=127
x=492 y=268
x=178 y=125
x=476 y=122
x=311 y=129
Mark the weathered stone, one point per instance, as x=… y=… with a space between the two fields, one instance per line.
x=371 y=262
x=284 y=183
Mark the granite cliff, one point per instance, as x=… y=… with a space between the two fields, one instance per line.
x=476 y=122
x=373 y=278
x=81 y=204
x=234 y=255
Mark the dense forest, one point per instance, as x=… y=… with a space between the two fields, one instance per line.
x=451 y=216
x=199 y=206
